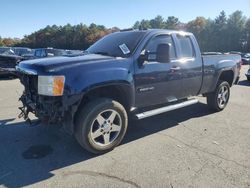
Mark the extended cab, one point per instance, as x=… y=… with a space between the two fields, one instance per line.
x=132 y=73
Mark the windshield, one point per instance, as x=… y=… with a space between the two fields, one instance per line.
x=4 y=49
x=9 y=52
x=120 y=44
x=22 y=51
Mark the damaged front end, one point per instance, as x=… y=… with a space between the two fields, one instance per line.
x=53 y=110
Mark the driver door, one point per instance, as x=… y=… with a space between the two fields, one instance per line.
x=158 y=82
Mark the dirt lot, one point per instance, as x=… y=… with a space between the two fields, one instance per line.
x=191 y=147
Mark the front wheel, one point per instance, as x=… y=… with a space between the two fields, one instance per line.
x=218 y=99
x=101 y=125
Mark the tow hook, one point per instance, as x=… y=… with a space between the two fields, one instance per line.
x=25 y=115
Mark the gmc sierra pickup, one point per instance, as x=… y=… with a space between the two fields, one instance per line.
x=137 y=73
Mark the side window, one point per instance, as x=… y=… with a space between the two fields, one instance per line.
x=43 y=53
x=187 y=49
x=38 y=53
x=161 y=39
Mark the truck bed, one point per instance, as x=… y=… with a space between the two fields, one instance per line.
x=214 y=64
x=210 y=59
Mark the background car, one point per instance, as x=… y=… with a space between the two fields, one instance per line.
x=8 y=63
x=245 y=58
x=53 y=52
x=47 y=52
x=248 y=74
x=4 y=49
x=72 y=53
x=22 y=51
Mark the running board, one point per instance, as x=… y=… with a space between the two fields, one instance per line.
x=166 y=109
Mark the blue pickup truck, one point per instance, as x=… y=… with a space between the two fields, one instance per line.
x=137 y=74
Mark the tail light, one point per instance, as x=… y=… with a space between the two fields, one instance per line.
x=241 y=63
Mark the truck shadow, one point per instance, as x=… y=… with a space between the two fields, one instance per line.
x=142 y=128
x=30 y=154
x=4 y=122
x=244 y=83
x=7 y=77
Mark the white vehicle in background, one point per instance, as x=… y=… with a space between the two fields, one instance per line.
x=248 y=74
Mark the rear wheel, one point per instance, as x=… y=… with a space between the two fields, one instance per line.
x=101 y=125
x=218 y=99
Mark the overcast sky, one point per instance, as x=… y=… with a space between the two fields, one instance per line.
x=22 y=17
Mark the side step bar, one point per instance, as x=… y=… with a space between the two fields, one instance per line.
x=166 y=109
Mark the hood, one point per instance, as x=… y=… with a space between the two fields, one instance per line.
x=53 y=64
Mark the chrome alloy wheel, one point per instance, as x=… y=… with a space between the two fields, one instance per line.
x=106 y=127
x=223 y=96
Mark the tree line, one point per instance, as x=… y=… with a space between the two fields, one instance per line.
x=224 y=33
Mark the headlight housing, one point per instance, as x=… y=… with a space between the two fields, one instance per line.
x=51 y=85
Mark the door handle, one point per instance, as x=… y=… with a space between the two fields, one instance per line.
x=175 y=68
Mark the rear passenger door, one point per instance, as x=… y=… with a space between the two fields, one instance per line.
x=190 y=64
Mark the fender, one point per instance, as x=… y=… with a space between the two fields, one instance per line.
x=80 y=79
x=222 y=66
x=127 y=88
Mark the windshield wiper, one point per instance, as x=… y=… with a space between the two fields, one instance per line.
x=104 y=53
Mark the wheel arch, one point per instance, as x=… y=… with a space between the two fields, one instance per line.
x=122 y=92
x=226 y=75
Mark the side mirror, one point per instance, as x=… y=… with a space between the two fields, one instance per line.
x=142 y=58
x=163 y=53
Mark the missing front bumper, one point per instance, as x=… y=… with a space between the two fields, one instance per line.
x=51 y=110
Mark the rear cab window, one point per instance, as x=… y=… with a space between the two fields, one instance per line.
x=186 y=46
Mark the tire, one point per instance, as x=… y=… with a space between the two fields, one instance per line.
x=101 y=125
x=248 y=78
x=218 y=99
